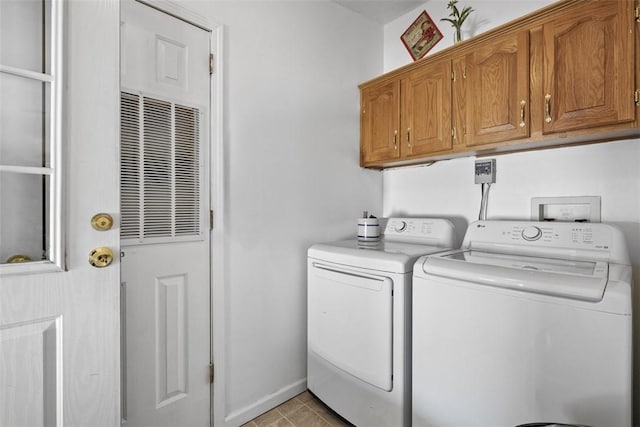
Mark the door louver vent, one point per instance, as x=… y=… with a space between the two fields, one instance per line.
x=160 y=170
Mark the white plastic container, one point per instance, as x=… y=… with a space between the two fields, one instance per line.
x=368 y=230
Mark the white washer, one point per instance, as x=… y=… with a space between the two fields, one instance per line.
x=359 y=299
x=527 y=322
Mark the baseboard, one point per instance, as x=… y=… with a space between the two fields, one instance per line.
x=265 y=404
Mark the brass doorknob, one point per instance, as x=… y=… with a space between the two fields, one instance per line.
x=101 y=257
x=102 y=221
x=18 y=258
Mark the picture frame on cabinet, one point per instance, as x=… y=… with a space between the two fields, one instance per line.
x=421 y=36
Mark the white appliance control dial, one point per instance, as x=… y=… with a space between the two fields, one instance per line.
x=531 y=233
x=401 y=226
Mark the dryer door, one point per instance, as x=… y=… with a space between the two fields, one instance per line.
x=350 y=321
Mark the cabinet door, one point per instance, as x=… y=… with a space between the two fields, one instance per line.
x=379 y=122
x=426 y=110
x=588 y=70
x=497 y=82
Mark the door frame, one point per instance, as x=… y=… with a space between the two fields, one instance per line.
x=217 y=273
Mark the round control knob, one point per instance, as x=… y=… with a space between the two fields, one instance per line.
x=531 y=233
x=400 y=227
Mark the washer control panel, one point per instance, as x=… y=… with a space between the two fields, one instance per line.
x=565 y=234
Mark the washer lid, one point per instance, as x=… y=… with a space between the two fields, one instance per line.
x=581 y=280
x=393 y=257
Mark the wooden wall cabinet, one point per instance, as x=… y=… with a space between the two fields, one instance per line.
x=563 y=75
x=589 y=68
x=407 y=116
x=426 y=110
x=379 y=122
x=495 y=81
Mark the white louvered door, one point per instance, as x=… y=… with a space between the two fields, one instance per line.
x=164 y=225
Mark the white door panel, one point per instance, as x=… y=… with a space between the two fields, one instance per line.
x=162 y=55
x=33 y=379
x=167 y=331
x=165 y=275
x=59 y=331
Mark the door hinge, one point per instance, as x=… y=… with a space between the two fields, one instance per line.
x=211 y=220
x=637 y=13
x=210 y=63
x=211 y=376
x=453 y=76
x=636 y=97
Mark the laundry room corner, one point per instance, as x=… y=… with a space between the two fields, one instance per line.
x=291 y=127
x=320 y=213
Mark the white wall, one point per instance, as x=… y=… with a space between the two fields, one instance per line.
x=609 y=170
x=487 y=14
x=291 y=132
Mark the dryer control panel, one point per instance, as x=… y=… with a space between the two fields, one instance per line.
x=419 y=230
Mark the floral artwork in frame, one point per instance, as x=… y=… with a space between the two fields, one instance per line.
x=421 y=36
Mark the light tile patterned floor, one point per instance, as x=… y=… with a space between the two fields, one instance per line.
x=304 y=410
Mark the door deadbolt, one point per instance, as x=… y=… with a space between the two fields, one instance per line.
x=101 y=257
x=102 y=221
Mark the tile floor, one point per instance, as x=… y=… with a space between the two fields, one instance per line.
x=304 y=410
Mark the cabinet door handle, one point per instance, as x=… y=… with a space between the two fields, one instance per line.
x=547 y=108
x=409 y=137
x=523 y=103
x=395 y=140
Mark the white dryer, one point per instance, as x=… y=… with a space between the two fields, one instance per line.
x=359 y=336
x=527 y=322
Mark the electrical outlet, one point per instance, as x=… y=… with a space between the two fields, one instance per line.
x=485 y=171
